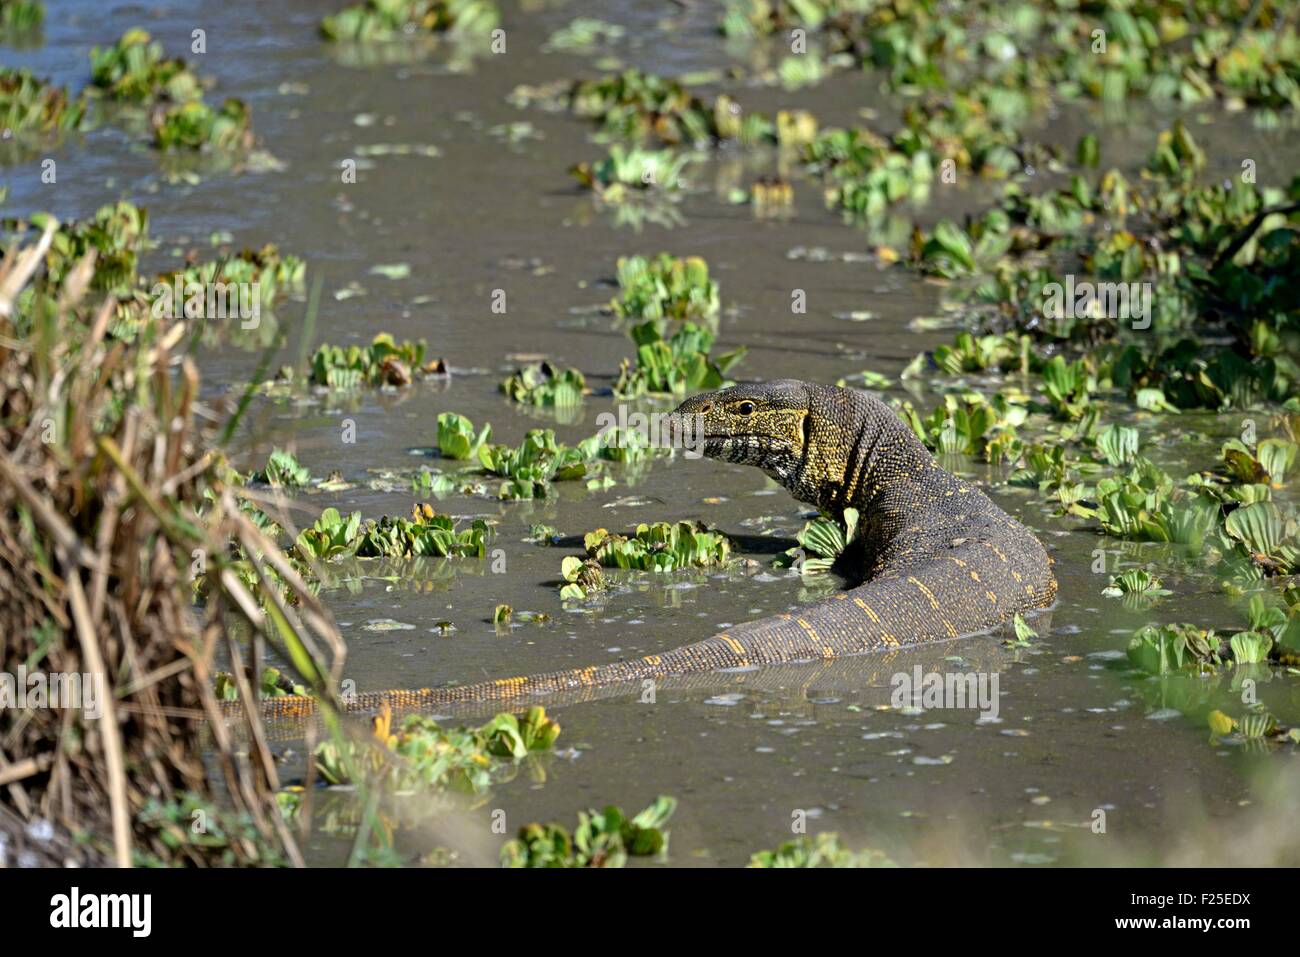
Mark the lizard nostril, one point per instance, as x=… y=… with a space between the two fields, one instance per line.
x=706 y=408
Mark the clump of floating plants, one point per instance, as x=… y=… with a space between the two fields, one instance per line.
x=823 y=850
x=383 y=362
x=602 y=839
x=583 y=577
x=419 y=754
x=1243 y=52
x=673 y=366
x=220 y=300
x=1272 y=635
x=642 y=107
x=1136 y=586
x=116 y=235
x=282 y=470
x=542 y=384
x=136 y=70
x=656 y=547
x=426 y=532
x=665 y=287
x=529 y=468
x=381 y=20
x=821 y=542
x=21 y=16
x=111 y=490
x=32 y=110
x=631 y=172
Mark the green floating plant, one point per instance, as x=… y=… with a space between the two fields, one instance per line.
x=968 y=353
x=383 y=362
x=513 y=736
x=30 y=106
x=951 y=251
x=1068 y=387
x=1271 y=636
x=1164 y=649
x=1267 y=463
x=1143 y=504
x=602 y=839
x=21 y=16
x=675 y=365
x=630 y=171
x=542 y=384
x=282 y=470
x=823 y=850
x=531 y=466
x=383 y=20
x=660 y=547
x=275 y=274
x=135 y=68
x=1118 y=445
x=583 y=578
x=421 y=755
x=457 y=438
x=273 y=684
x=195 y=125
x=229 y=838
x=665 y=287
x=1256 y=726
x=821 y=542
x=1136 y=584
x=866 y=174
x=426 y=533
x=1266 y=535
x=745 y=18
x=118 y=233
x=1022 y=634
x=970 y=423
x=584 y=33
x=633 y=105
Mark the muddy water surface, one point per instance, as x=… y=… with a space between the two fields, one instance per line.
x=1075 y=734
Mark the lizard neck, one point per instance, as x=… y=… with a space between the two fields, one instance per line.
x=861 y=455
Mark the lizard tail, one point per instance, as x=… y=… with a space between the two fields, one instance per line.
x=918 y=605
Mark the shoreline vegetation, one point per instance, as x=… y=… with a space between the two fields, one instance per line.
x=131 y=550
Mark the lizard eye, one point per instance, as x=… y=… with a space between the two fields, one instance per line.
x=745 y=408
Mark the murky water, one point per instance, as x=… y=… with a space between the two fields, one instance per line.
x=1075 y=731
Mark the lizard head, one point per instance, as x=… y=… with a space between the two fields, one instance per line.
x=766 y=424
x=802 y=434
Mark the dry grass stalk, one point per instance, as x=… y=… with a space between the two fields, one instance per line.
x=110 y=489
